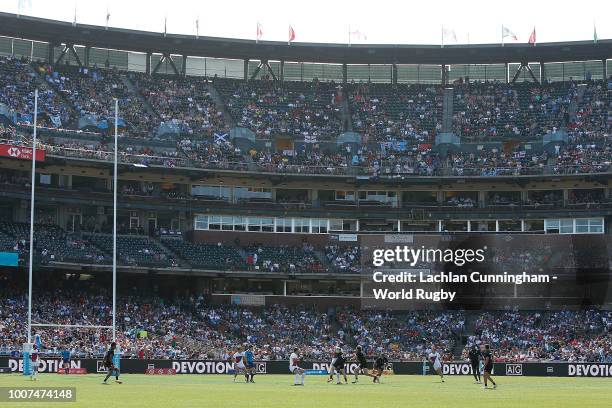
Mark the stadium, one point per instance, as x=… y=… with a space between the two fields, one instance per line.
x=230 y=214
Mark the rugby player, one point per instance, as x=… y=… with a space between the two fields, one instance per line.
x=239 y=366
x=487 y=356
x=339 y=363
x=294 y=367
x=436 y=362
x=363 y=364
x=250 y=364
x=379 y=367
x=34 y=363
x=66 y=360
x=474 y=357
x=109 y=365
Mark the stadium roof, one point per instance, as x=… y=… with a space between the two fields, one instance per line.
x=60 y=32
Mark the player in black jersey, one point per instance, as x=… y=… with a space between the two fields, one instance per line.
x=363 y=364
x=474 y=356
x=110 y=366
x=339 y=363
x=487 y=356
x=379 y=367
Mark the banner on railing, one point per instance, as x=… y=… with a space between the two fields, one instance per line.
x=20 y=152
x=170 y=367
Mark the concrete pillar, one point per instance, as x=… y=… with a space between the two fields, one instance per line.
x=245 y=75
x=444 y=75
x=87 y=54
x=282 y=71
x=184 y=66
x=507 y=73
x=604 y=68
x=482 y=198
x=394 y=74
x=51 y=54
x=314 y=196
x=148 y=63
x=542 y=73
x=344 y=74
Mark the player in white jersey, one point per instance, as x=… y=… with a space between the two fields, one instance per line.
x=35 y=363
x=332 y=365
x=294 y=367
x=238 y=359
x=436 y=362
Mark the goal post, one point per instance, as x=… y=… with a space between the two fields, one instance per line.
x=29 y=346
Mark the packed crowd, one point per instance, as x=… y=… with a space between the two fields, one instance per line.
x=573 y=336
x=397 y=123
x=182 y=102
x=344 y=258
x=385 y=112
x=270 y=108
x=18 y=82
x=92 y=92
x=150 y=326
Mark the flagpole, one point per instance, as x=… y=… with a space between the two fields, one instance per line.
x=442 y=43
x=31 y=260
x=502 y=33
x=257 y=33
x=349 y=35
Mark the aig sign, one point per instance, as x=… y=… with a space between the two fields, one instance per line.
x=514 y=369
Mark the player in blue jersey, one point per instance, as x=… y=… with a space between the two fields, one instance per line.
x=66 y=360
x=249 y=364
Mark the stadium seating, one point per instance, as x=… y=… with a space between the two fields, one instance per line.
x=563 y=336
x=183 y=101
x=189 y=327
x=205 y=256
x=52 y=243
x=17 y=84
x=134 y=250
x=283 y=259
x=385 y=112
x=92 y=92
x=270 y=108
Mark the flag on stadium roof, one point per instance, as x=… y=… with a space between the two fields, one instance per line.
x=448 y=33
x=197 y=25
x=532 y=37
x=291 y=35
x=357 y=34
x=259 y=32
x=594 y=33
x=107 y=17
x=23 y=5
x=74 y=20
x=506 y=32
x=165 y=25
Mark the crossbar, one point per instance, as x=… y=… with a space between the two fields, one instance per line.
x=83 y=326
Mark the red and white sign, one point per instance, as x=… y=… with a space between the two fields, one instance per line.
x=160 y=371
x=72 y=370
x=20 y=152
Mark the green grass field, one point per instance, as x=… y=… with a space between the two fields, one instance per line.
x=275 y=391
